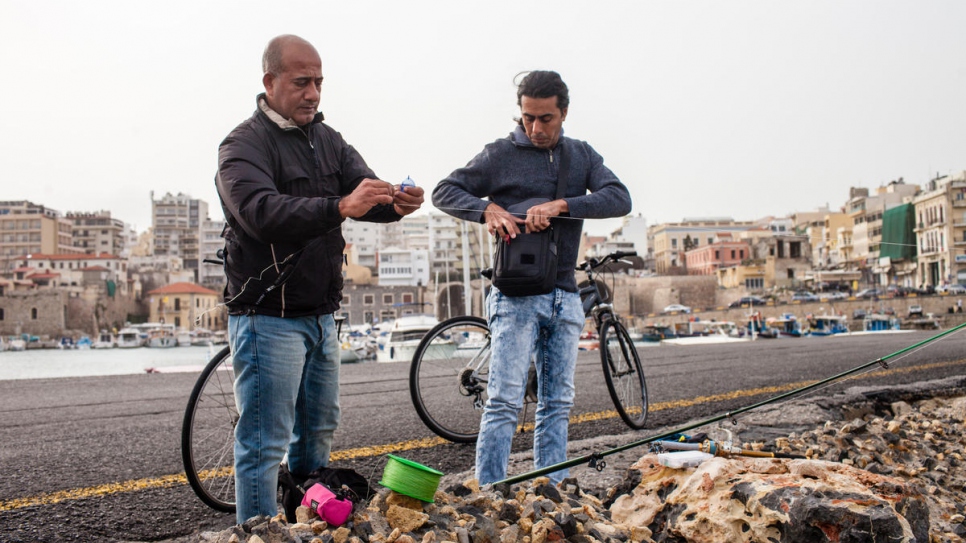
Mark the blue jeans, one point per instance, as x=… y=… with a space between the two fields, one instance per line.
x=548 y=326
x=287 y=391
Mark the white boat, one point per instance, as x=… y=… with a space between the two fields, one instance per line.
x=84 y=343
x=183 y=337
x=162 y=337
x=201 y=337
x=404 y=337
x=357 y=348
x=128 y=338
x=105 y=340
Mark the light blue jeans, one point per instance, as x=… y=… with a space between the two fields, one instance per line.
x=548 y=326
x=287 y=391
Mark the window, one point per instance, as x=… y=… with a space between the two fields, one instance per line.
x=791 y=273
x=346 y=300
x=717 y=254
x=33 y=313
x=177 y=304
x=732 y=254
x=387 y=299
x=1 y=313
x=177 y=322
x=407 y=297
x=368 y=299
x=754 y=282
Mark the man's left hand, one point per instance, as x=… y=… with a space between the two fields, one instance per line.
x=408 y=200
x=538 y=216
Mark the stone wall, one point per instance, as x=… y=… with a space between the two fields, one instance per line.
x=54 y=313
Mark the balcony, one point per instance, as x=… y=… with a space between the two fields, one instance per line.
x=959 y=203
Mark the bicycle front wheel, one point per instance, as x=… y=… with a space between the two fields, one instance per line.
x=623 y=373
x=448 y=377
x=208 y=434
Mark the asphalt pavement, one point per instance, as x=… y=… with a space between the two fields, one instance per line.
x=98 y=459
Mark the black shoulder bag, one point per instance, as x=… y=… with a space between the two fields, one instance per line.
x=527 y=264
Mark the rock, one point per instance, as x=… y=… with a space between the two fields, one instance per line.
x=405 y=519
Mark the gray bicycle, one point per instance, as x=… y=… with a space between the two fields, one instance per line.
x=450 y=368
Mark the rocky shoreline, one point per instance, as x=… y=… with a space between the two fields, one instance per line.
x=881 y=465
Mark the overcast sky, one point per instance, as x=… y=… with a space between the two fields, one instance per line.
x=740 y=109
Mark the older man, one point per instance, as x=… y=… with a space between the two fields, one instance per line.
x=286 y=183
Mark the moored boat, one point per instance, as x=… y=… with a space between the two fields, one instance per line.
x=162 y=337
x=404 y=337
x=105 y=340
x=827 y=325
x=128 y=338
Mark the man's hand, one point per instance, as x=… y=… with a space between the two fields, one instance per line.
x=369 y=193
x=538 y=216
x=500 y=222
x=408 y=200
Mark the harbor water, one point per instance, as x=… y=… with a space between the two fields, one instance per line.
x=56 y=363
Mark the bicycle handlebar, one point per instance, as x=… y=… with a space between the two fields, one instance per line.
x=592 y=263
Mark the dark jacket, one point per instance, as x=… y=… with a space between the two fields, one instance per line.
x=280 y=187
x=511 y=170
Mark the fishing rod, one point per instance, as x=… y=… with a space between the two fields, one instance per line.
x=595 y=460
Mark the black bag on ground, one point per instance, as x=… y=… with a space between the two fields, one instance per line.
x=340 y=480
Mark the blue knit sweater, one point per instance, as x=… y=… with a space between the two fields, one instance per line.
x=511 y=170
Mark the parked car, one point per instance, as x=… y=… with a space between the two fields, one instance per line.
x=859 y=314
x=747 y=301
x=677 y=308
x=926 y=289
x=915 y=310
x=868 y=293
x=833 y=296
x=804 y=296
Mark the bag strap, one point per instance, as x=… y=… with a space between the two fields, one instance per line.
x=563 y=169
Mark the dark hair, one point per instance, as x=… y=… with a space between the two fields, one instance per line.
x=544 y=84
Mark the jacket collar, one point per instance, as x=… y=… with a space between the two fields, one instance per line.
x=282 y=122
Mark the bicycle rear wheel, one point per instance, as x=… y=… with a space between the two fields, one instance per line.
x=623 y=373
x=448 y=376
x=208 y=434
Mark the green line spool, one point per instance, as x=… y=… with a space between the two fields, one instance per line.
x=410 y=478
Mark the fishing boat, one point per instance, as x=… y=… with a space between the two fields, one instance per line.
x=201 y=337
x=787 y=325
x=654 y=333
x=105 y=340
x=356 y=347
x=827 y=325
x=84 y=343
x=162 y=336
x=16 y=344
x=876 y=322
x=128 y=338
x=404 y=336
x=759 y=327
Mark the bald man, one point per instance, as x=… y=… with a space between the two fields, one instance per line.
x=286 y=182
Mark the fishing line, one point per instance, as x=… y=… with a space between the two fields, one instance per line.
x=596 y=459
x=410 y=478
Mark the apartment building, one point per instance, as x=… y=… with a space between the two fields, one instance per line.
x=940 y=226
x=669 y=241
x=28 y=228
x=211 y=275
x=177 y=221
x=866 y=211
x=96 y=232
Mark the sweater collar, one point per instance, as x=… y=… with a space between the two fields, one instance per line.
x=520 y=139
x=282 y=122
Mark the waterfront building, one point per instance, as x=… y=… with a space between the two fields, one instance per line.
x=403 y=267
x=187 y=306
x=725 y=251
x=940 y=227
x=210 y=275
x=866 y=211
x=670 y=241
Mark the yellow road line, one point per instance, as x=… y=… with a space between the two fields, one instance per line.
x=429 y=442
